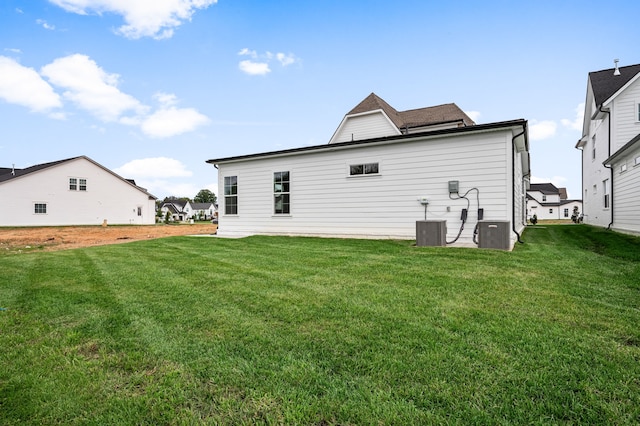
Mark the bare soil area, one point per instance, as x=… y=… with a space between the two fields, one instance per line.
x=66 y=237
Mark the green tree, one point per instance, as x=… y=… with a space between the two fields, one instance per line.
x=205 y=196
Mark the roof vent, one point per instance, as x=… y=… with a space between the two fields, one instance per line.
x=616 y=71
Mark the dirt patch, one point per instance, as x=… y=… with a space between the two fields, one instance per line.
x=52 y=238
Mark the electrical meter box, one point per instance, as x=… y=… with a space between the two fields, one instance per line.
x=494 y=234
x=453 y=187
x=431 y=233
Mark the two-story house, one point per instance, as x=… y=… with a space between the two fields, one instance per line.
x=610 y=147
x=547 y=202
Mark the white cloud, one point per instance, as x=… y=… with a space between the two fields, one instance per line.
x=160 y=176
x=12 y=50
x=153 y=168
x=260 y=64
x=539 y=130
x=254 y=68
x=576 y=124
x=474 y=115
x=91 y=88
x=286 y=60
x=24 y=86
x=45 y=25
x=143 y=18
x=169 y=120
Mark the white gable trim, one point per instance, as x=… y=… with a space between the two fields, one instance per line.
x=338 y=131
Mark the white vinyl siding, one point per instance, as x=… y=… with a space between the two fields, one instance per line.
x=110 y=198
x=330 y=203
x=626 y=188
x=366 y=126
x=625 y=116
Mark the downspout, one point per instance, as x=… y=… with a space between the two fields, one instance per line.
x=609 y=167
x=513 y=182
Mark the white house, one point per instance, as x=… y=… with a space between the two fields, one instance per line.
x=182 y=210
x=374 y=179
x=75 y=191
x=547 y=202
x=611 y=149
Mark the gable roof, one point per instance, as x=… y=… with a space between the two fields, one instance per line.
x=545 y=188
x=605 y=84
x=445 y=113
x=7 y=174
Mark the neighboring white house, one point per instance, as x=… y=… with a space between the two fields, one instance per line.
x=75 y=191
x=611 y=149
x=547 y=202
x=373 y=179
x=183 y=210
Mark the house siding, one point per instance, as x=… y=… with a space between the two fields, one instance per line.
x=625 y=125
x=627 y=192
x=366 y=126
x=326 y=201
x=107 y=198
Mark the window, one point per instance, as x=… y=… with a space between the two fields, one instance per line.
x=40 y=208
x=623 y=168
x=544 y=198
x=363 y=169
x=550 y=211
x=593 y=147
x=605 y=187
x=231 y=194
x=73 y=184
x=281 y=193
x=637 y=161
x=637 y=111
x=139 y=211
x=566 y=212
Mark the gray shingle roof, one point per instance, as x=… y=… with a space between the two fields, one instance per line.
x=545 y=188
x=414 y=117
x=605 y=84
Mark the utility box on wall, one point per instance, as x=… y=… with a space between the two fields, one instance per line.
x=431 y=233
x=494 y=234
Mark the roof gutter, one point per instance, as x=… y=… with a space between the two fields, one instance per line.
x=513 y=178
x=610 y=166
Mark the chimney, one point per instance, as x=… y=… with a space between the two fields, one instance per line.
x=616 y=71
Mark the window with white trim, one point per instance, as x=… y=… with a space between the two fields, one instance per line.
x=231 y=194
x=637 y=161
x=593 y=147
x=281 y=193
x=77 y=184
x=606 y=189
x=40 y=208
x=637 y=111
x=364 y=169
x=623 y=168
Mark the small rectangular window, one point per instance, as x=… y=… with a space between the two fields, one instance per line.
x=605 y=187
x=550 y=211
x=637 y=161
x=83 y=184
x=638 y=111
x=73 y=184
x=281 y=193
x=139 y=211
x=544 y=198
x=593 y=147
x=623 y=168
x=231 y=194
x=40 y=208
x=566 y=212
x=364 y=169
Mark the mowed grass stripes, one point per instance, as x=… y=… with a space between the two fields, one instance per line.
x=270 y=330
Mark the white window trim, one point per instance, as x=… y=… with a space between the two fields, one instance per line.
x=363 y=175
x=46 y=207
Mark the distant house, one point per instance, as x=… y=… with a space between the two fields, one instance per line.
x=548 y=202
x=183 y=210
x=74 y=191
x=610 y=146
x=382 y=171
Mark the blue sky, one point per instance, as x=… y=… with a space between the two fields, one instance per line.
x=152 y=92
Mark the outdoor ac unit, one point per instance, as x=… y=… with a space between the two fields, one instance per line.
x=494 y=234
x=431 y=233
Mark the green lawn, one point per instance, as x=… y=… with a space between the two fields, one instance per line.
x=270 y=330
